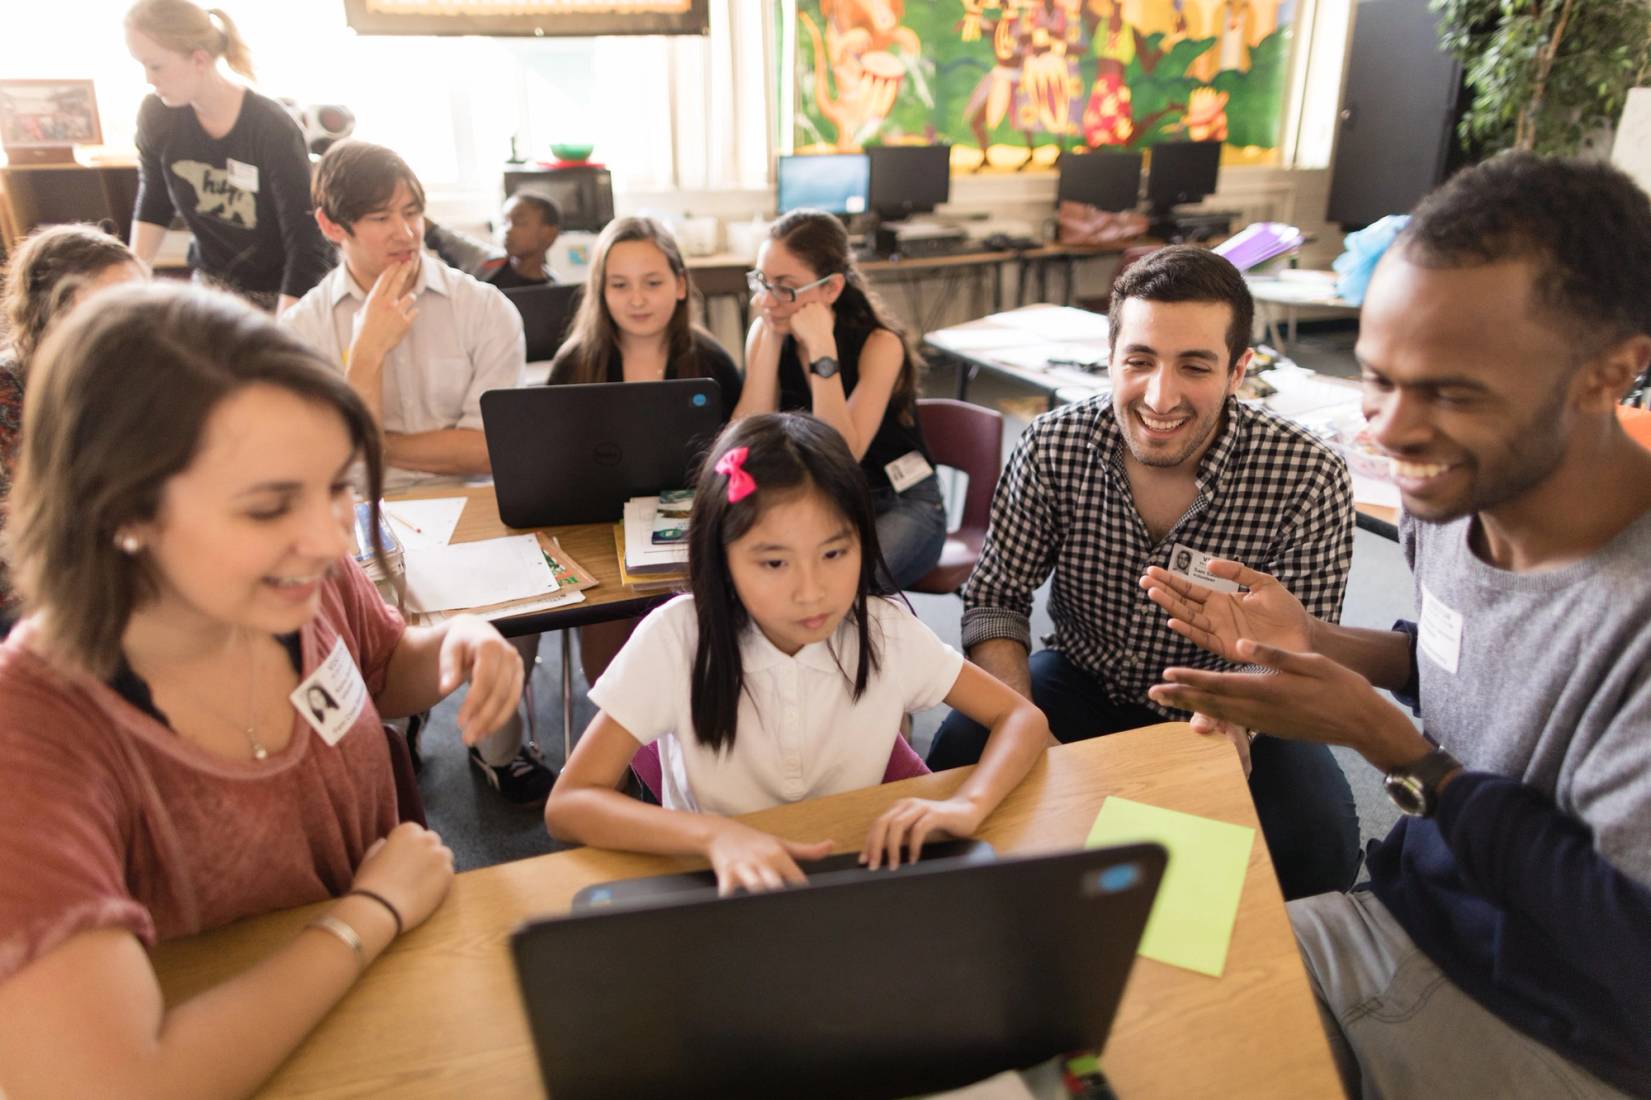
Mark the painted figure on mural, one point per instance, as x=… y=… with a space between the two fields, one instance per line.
x=862 y=50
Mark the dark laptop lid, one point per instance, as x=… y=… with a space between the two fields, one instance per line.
x=575 y=454
x=878 y=987
x=546 y=311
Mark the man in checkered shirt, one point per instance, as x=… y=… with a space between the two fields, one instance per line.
x=1097 y=491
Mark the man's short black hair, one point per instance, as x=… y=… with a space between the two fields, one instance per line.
x=549 y=212
x=1585 y=224
x=1187 y=273
x=356 y=178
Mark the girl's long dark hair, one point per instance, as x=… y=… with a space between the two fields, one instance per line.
x=593 y=339
x=819 y=240
x=786 y=453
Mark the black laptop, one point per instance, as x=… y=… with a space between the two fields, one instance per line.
x=575 y=454
x=876 y=986
x=547 y=311
x=651 y=888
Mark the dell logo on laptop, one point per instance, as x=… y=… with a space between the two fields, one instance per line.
x=606 y=454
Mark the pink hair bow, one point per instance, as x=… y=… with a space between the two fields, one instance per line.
x=740 y=484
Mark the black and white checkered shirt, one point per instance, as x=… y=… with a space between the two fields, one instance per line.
x=1269 y=495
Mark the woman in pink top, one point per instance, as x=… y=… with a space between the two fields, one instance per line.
x=190 y=711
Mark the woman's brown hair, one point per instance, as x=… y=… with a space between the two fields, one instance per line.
x=117 y=405
x=593 y=340
x=184 y=27
x=45 y=272
x=820 y=241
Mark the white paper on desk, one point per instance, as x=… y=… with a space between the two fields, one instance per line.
x=976 y=339
x=476 y=574
x=1038 y=356
x=640 y=549
x=1305 y=392
x=549 y=603
x=436 y=519
x=1060 y=323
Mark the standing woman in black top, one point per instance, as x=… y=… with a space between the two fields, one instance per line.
x=634 y=322
x=824 y=344
x=231 y=161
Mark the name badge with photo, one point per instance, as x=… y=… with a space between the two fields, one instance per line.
x=908 y=470
x=333 y=696
x=242 y=175
x=1194 y=565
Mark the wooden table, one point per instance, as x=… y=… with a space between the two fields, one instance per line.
x=439 y=1015
x=591 y=544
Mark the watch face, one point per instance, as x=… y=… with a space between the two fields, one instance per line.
x=1408 y=793
x=825 y=366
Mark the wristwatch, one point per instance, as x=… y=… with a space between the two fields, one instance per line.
x=825 y=366
x=1414 y=787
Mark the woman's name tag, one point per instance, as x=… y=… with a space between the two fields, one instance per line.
x=908 y=470
x=332 y=697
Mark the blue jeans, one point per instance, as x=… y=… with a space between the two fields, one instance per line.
x=911 y=530
x=1300 y=794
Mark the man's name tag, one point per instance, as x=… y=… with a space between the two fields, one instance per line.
x=242 y=175
x=332 y=697
x=1440 y=634
x=908 y=470
x=1194 y=565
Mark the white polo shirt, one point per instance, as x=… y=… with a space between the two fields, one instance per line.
x=466 y=339
x=800 y=734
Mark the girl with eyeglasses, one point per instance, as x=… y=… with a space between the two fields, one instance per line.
x=824 y=344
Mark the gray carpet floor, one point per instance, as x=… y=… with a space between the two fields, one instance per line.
x=483 y=829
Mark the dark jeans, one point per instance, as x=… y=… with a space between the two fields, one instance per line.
x=1300 y=794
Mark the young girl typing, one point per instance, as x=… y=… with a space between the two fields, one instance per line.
x=782 y=676
x=634 y=324
x=180 y=539
x=824 y=344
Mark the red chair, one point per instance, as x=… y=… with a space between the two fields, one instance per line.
x=969 y=438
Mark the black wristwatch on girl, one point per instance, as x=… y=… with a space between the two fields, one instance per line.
x=825 y=366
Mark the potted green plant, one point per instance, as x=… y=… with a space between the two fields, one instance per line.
x=1544 y=74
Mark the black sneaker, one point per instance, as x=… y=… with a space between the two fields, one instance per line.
x=525 y=779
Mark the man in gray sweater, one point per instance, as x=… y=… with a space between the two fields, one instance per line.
x=1503 y=947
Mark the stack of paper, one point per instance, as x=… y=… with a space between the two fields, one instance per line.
x=477 y=574
x=643 y=555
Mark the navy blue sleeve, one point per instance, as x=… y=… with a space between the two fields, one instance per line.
x=1516 y=849
x=1411 y=694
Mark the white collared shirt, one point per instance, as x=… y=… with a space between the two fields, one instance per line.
x=800 y=734
x=466 y=339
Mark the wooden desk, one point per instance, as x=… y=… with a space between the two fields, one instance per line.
x=591 y=544
x=439 y=1015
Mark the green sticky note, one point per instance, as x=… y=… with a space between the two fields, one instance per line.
x=1192 y=918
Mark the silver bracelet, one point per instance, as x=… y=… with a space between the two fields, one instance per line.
x=346 y=935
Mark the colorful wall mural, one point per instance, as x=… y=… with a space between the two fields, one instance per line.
x=1009 y=84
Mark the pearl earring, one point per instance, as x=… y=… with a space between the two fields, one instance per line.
x=128 y=544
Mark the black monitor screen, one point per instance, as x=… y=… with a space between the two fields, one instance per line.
x=584 y=195
x=835 y=183
x=1182 y=171
x=909 y=179
x=1107 y=181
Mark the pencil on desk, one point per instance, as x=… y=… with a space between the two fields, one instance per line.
x=401 y=519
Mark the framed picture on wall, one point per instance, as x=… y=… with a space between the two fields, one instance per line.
x=528 y=18
x=41 y=121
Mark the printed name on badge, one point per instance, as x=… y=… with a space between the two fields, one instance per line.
x=1194 y=565
x=244 y=176
x=333 y=696
x=908 y=470
x=1440 y=634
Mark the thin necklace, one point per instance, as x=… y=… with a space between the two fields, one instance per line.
x=250 y=729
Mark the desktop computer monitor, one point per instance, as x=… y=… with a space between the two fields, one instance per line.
x=1106 y=181
x=909 y=179
x=1181 y=171
x=584 y=193
x=833 y=182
